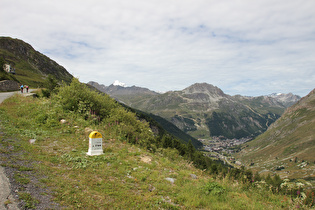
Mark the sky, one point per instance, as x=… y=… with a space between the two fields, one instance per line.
x=244 y=47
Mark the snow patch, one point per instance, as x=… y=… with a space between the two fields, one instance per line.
x=117 y=83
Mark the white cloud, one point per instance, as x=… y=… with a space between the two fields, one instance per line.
x=242 y=46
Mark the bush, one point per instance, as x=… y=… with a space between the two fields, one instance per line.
x=214 y=188
x=99 y=108
x=78 y=98
x=50 y=85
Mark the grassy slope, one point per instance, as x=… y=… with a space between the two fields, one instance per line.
x=117 y=179
x=24 y=72
x=31 y=67
x=292 y=136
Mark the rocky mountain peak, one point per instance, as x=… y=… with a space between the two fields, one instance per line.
x=204 y=88
x=286 y=99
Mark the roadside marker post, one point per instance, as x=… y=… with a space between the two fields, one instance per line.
x=95 y=144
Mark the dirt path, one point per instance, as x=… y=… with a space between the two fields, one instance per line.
x=10 y=169
x=7 y=200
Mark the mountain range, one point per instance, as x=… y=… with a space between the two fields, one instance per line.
x=203 y=110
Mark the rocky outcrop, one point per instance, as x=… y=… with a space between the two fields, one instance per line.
x=9 y=85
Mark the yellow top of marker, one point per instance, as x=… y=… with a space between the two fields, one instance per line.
x=95 y=134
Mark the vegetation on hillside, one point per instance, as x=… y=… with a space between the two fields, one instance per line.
x=287 y=147
x=139 y=168
x=31 y=66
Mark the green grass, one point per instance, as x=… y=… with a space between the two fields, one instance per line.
x=30 y=202
x=118 y=178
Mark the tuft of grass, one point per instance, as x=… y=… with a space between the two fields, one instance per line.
x=21 y=178
x=30 y=202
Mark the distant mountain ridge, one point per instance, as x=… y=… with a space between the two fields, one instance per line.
x=203 y=110
x=286 y=99
x=121 y=90
x=123 y=94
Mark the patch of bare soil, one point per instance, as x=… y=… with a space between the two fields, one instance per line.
x=28 y=188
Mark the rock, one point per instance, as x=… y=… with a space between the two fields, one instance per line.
x=193 y=176
x=88 y=130
x=146 y=159
x=171 y=180
x=151 y=188
x=63 y=121
x=238 y=163
x=32 y=141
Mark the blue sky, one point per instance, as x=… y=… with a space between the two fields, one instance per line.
x=241 y=46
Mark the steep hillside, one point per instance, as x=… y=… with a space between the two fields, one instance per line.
x=203 y=110
x=288 y=145
x=31 y=67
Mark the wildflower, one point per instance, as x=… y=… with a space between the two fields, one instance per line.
x=299 y=184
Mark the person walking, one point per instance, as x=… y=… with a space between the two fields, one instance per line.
x=26 y=86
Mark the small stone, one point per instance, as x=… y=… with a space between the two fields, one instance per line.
x=146 y=159
x=63 y=121
x=32 y=141
x=171 y=180
x=193 y=176
x=151 y=188
x=88 y=130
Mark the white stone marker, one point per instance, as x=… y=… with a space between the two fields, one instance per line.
x=95 y=144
